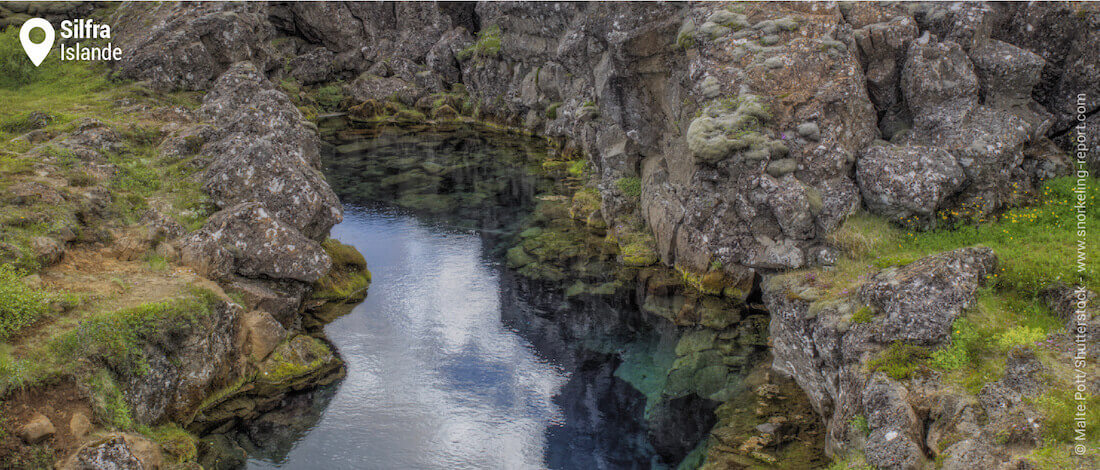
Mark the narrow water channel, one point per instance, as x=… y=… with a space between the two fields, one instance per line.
x=452 y=360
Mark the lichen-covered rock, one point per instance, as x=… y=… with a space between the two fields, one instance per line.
x=264 y=152
x=372 y=87
x=921 y=300
x=174 y=47
x=314 y=66
x=815 y=341
x=1007 y=75
x=939 y=83
x=185 y=361
x=116 y=451
x=907 y=184
x=247 y=239
x=1066 y=35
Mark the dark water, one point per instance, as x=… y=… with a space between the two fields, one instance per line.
x=452 y=361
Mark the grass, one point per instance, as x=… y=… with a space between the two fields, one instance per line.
x=630 y=187
x=1035 y=245
x=900 y=360
x=487 y=45
x=116 y=339
x=108 y=404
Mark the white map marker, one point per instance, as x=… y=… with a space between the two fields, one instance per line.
x=37 y=52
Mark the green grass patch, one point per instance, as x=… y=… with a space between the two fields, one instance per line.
x=1059 y=407
x=982 y=337
x=116 y=339
x=108 y=404
x=900 y=360
x=20 y=305
x=487 y=45
x=630 y=187
x=1035 y=245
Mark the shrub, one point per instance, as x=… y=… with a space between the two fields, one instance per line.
x=20 y=305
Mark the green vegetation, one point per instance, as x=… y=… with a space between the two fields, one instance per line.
x=115 y=339
x=15 y=67
x=180 y=445
x=349 y=278
x=864 y=315
x=1059 y=406
x=487 y=45
x=108 y=404
x=552 y=110
x=630 y=187
x=859 y=423
x=900 y=360
x=1034 y=244
x=20 y=305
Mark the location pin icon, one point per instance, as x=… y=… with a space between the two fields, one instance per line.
x=37 y=52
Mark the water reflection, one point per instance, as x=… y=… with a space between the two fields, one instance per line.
x=436 y=380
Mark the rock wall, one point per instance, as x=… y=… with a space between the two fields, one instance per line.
x=755 y=129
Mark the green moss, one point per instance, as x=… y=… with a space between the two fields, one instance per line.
x=487 y=45
x=180 y=445
x=630 y=187
x=900 y=360
x=639 y=254
x=349 y=278
x=552 y=110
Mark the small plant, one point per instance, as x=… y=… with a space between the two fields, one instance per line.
x=20 y=305
x=630 y=187
x=900 y=360
x=859 y=423
x=864 y=315
x=552 y=110
x=487 y=45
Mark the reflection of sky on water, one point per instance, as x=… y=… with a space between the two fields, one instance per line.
x=434 y=379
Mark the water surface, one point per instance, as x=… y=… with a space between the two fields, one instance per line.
x=448 y=364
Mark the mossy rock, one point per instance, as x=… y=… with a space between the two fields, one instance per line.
x=444 y=112
x=695 y=341
x=294 y=364
x=639 y=254
x=517 y=258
